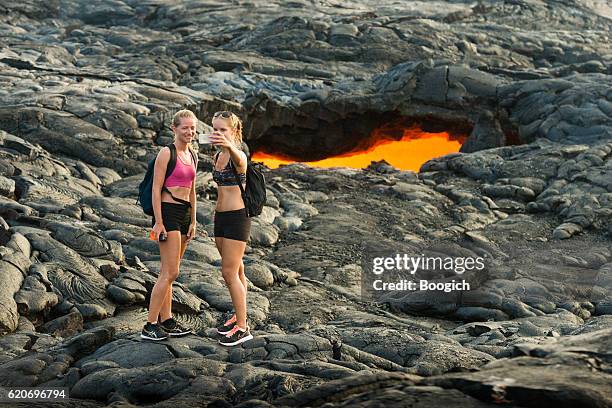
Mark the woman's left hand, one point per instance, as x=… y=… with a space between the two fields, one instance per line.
x=218 y=139
x=191 y=232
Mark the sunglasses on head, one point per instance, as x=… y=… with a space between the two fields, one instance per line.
x=223 y=114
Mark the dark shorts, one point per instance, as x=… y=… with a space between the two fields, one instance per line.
x=232 y=225
x=177 y=217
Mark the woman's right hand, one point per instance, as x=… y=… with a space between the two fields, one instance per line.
x=220 y=140
x=159 y=229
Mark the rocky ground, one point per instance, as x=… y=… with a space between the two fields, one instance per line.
x=87 y=93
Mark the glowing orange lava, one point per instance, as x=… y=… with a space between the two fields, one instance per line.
x=408 y=153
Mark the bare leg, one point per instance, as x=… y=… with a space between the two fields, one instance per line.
x=241 y=275
x=169 y=252
x=166 y=310
x=233 y=250
x=219 y=244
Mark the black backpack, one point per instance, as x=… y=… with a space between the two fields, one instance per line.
x=145 y=189
x=254 y=195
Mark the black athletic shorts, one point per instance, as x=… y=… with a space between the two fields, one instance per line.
x=233 y=225
x=177 y=217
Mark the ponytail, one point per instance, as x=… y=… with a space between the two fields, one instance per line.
x=238 y=130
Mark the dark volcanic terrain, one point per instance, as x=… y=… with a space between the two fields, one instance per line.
x=87 y=90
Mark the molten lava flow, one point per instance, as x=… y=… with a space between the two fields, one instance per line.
x=413 y=148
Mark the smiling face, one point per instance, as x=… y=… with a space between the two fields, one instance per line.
x=224 y=127
x=185 y=130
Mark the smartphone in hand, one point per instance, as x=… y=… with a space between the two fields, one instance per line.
x=204 y=138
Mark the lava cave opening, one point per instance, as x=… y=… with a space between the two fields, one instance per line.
x=403 y=142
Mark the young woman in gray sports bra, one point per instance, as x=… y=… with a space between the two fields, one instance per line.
x=232 y=226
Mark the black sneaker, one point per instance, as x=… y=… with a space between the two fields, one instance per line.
x=236 y=336
x=153 y=331
x=227 y=326
x=174 y=329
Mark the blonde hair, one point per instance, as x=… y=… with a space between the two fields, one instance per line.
x=176 y=120
x=183 y=113
x=235 y=123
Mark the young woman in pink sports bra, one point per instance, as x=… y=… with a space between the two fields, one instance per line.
x=174 y=207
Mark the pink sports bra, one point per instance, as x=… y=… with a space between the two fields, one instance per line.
x=182 y=175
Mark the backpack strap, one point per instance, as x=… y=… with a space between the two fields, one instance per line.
x=172 y=162
x=194 y=157
x=242 y=193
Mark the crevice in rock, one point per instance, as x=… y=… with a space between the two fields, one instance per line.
x=27 y=65
x=172 y=351
x=336 y=349
x=31 y=342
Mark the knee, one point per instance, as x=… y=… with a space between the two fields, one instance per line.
x=169 y=275
x=228 y=274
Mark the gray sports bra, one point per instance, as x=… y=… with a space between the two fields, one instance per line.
x=226 y=177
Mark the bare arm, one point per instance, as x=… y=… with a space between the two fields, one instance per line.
x=239 y=158
x=192 y=200
x=159 y=175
